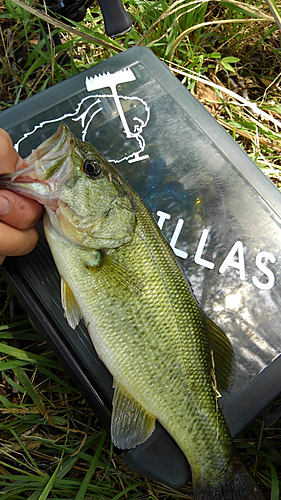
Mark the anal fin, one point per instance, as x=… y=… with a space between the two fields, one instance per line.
x=70 y=305
x=131 y=424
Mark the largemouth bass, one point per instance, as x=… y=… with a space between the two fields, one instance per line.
x=119 y=274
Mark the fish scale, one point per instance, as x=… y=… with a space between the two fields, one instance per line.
x=121 y=276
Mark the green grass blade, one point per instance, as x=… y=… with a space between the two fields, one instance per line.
x=12 y=383
x=5 y=402
x=22 y=471
x=71 y=450
x=129 y=488
x=50 y=483
x=274 y=11
x=31 y=391
x=28 y=356
x=84 y=486
x=67 y=466
x=15 y=434
x=274 y=483
x=66 y=27
x=10 y=364
x=53 y=376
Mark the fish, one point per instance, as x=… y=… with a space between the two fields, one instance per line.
x=167 y=358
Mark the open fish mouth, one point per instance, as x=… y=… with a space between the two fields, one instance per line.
x=24 y=179
x=48 y=167
x=31 y=188
x=23 y=183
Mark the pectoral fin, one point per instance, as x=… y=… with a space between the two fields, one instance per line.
x=131 y=424
x=69 y=303
x=223 y=355
x=114 y=275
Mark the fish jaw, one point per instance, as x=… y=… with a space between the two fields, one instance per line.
x=48 y=167
x=34 y=189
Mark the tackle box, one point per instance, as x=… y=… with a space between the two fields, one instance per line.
x=219 y=212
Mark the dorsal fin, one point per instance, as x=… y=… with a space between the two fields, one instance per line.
x=131 y=424
x=223 y=354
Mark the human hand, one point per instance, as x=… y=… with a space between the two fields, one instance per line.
x=18 y=215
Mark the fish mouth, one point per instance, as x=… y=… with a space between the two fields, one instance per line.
x=42 y=177
x=22 y=182
x=31 y=188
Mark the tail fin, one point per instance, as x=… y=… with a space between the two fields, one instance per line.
x=237 y=485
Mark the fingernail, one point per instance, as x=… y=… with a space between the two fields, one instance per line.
x=5 y=206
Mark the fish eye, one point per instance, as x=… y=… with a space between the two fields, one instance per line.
x=92 y=168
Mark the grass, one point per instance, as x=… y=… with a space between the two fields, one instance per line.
x=227 y=53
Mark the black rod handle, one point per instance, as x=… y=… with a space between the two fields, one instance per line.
x=116 y=19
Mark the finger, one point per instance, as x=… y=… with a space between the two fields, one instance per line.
x=8 y=154
x=9 y=158
x=18 y=211
x=1 y=260
x=15 y=241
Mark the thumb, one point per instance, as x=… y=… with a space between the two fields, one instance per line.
x=9 y=158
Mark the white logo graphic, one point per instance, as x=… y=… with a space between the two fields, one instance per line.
x=86 y=117
x=235 y=257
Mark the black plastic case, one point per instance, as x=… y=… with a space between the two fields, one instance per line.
x=220 y=213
